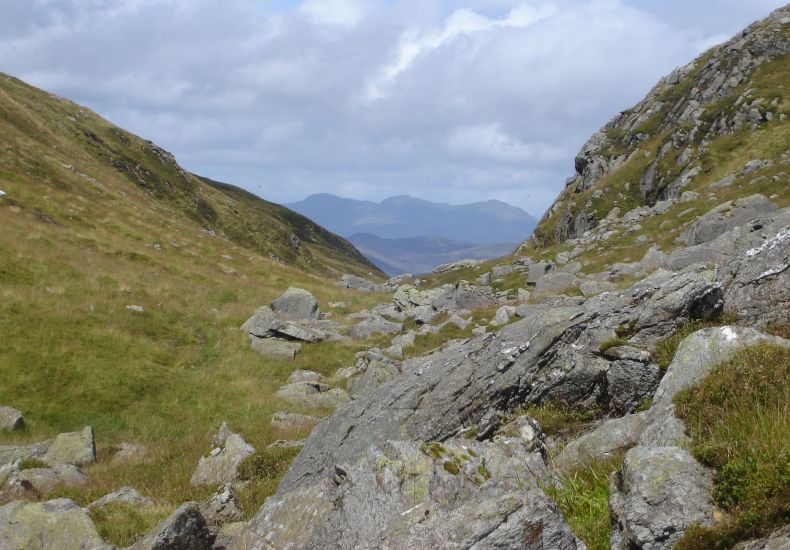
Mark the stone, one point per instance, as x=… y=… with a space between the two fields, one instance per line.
x=275 y=348
x=375 y=369
x=262 y=324
x=557 y=281
x=726 y=216
x=778 y=540
x=9 y=454
x=523 y=295
x=77 y=448
x=124 y=495
x=688 y=196
x=457 y=321
x=337 y=305
x=479 y=331
x=408 y=297
x=356 y=283
x=288 y=421
x=313 y=395
x=660 y=492
x=757 y=281
x=405 y=340
x=592 y=288
x=184 y=529
x=222 y=507
x=455 y=266
x=54 y=525
x=286 y=444
x=301 y=375
x=394 y=351
x=296 y=304
x=222 y=464
x=608 y=438
x=37 y=482
x=11 y=419
x=130 y=454
x=504 y=270
x=374 y=325
x=294 y=331
x=413 y=495
x=503 y=315
x=484 y=279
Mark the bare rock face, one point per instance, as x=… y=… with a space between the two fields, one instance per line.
x=54 y=525
x=411 y=495
x=727 y=216
x=184 y=529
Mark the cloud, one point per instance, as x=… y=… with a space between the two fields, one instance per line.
x=452 y=100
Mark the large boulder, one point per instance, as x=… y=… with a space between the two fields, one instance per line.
x=275 y=348
x=374 y=325
x=53 y=525
x=296 y=304
x=11 y=419
x=37 y=482
x=184 y=529
x=313 y=395
x=412 y=495
x=660 y=492
x=222 y=464
x=77 y=448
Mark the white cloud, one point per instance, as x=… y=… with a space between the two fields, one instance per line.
x=415 y=43
x=340 y=13
x=452 y=100
x=490 y=141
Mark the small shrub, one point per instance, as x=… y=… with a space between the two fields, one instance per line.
x=123 y=524
x=613 y=343
x=739 y=422
x=267 y=464
x=558 y=418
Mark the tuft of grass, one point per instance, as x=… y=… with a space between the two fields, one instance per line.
x=583 y=498
x=123 y=524
x=739 y=422
x=32 y=463
x=613 y=343
x=263 y=470
x=559 y=418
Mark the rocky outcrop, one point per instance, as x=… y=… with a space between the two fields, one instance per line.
x=411 y=495
x=223 y=507
x=53 y=525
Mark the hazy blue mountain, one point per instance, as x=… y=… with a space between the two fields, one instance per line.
x=421 y=254
x=401 y=217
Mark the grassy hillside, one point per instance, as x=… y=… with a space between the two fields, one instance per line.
x=94 y=220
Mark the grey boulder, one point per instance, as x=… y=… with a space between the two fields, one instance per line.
x=124 y=495
x=296 y=304
x=275 y=348
x=11 y=419
x=374 y=325
x=184 y=529
x=77 y=448
x=313 y=395
x=54 y=525
x=222 y=464
x=660 y=492
x=223 y=507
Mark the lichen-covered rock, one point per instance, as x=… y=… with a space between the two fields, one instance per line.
x=10 y=454
x=313 y=395
x=301 y=375
x=296 y=304
x=77 y=448
x=726 y=216
x=411 y=495
x=53 y=525
x=610 y=437
x=11 y=419
x=223 y=507
x=184 y=529
x=660 y=492
x=124 y=495
x=275 y=348
x=35 y=483
x=222 y=465
x=374 y=325
x=130 y=454
x=778 y=540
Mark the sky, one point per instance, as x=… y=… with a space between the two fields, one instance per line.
x=447 y=100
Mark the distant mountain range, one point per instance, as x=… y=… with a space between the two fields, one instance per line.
x=422 y=254
x=405 y=233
